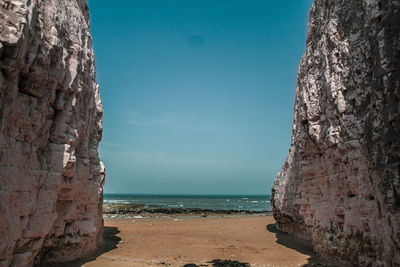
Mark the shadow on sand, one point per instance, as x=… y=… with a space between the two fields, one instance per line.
x=301 y=245
x=110 y=241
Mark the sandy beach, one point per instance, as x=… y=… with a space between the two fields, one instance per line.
x=180 y=240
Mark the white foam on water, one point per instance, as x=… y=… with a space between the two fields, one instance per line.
x=108 y=201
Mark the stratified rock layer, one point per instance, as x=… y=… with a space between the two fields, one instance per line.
x=50 y=127
x=340 y=185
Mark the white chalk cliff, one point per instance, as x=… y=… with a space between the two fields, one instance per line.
x=51 y=177
x=340 y=185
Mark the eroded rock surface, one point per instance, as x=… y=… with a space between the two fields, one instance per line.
x=340 y=185
x=50 y=127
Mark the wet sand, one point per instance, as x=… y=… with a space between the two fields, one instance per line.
x=177 y=241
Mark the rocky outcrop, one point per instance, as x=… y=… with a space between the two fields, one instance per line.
x=50 y=127
x=340 y=185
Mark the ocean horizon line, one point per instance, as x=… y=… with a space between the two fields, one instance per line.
x=183 y=194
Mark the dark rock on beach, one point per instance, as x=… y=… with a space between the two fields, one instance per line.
x=142 y=209
x=228 y=263
x=221 y=263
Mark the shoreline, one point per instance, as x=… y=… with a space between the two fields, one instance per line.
x=177 y=216
x=141 y=210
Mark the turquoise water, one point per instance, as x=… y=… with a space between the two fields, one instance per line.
x=211 y=202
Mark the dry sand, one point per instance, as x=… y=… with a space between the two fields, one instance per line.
x=179 y=241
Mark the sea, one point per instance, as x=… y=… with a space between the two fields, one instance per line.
x=258 y=203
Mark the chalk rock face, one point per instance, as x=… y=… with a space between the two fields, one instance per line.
x=50 y=127
x=340 y=185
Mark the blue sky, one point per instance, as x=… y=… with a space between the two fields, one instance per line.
x=198 y=95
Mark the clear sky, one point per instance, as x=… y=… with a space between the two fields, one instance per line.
x=198 y=95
